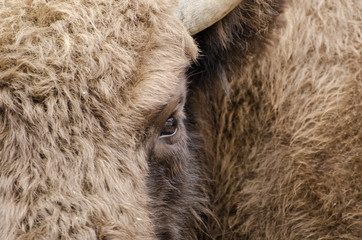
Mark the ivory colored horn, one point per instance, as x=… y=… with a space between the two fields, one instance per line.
x=197 y=15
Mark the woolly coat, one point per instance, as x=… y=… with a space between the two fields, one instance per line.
x=269 y=140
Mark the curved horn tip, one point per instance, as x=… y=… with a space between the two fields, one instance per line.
x=197 y=15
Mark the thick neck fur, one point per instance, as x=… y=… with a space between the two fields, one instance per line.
x=281 y=135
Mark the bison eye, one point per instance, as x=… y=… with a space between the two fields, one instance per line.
x=170 y=127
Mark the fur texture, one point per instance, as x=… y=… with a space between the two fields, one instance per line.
x=79 y=81
x=284 y=149
x=269 y=147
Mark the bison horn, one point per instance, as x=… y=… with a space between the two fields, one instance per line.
x=197 y=15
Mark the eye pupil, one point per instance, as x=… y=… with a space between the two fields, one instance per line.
x=170 y=127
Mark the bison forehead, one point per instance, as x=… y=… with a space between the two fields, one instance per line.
x=120 y=53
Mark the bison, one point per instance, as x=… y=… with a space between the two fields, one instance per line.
x=165 y=119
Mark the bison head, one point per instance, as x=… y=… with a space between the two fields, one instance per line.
x=117 y=122
x=93 y=139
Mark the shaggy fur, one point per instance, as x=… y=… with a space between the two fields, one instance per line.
x=273 y=121
x=284 y=149
x=80 y=82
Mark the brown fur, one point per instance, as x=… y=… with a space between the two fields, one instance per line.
x=77 y=81
x=284 y=149
x=273 y=121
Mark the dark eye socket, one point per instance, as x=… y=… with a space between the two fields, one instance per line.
x=170 y=127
